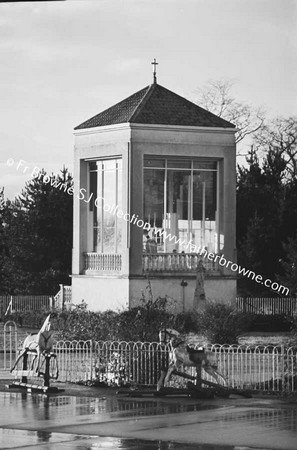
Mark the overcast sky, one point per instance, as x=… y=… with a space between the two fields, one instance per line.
x=63 y=62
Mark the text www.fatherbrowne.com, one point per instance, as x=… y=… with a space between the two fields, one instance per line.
x=135 y=220
x=222 y=261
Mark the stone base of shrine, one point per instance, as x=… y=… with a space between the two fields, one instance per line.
x=101 y=293
x=180 y=291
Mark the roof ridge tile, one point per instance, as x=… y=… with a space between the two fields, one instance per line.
x=140 y=104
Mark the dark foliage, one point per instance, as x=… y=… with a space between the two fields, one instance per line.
x=221 y=324
x=276 y=323
x=266 y=218
x=289 y=266
x=36 y=237
x=28 y=319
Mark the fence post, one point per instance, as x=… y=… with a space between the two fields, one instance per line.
x=12 y=344
x=51 y=303
x=25 y=367
x=283 y=367
x=9 y=307
x=91 y=358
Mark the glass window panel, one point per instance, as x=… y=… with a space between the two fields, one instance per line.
x=185 y=205
x=99 y=165
x=210 y=165
x=93 y=166
x=119 y=202
x=204 y=210
x=153 y=210
x=93 y=189
x=106 y=187
x=98 y=215
x=119 y=221
x=109 y=195
x=178 y=209
x=179 y=164
x=109 y=164
x=151 y=162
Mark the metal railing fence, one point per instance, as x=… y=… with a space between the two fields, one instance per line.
x=24 y=303
x=63 y=299
x=263 y=368
x=267 y=306
x=110 y=361
x=75 y=360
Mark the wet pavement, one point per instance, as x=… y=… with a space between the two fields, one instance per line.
x=105 y=421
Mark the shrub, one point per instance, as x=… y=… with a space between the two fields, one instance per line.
x=221 y=324
x=187 y=322
x=141 y=324
x=81 y=324
x=30 y=319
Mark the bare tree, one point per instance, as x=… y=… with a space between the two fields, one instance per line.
x=280 y=136
x=2 y=201
x=217 y=98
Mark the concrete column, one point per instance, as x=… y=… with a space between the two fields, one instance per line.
x=136 y=232
x=230 y=208
x=79 y=215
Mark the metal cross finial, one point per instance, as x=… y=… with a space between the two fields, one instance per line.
x=155 y=70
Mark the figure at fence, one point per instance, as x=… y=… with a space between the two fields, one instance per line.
x=40 y=343
x=180 y=354
x=199 y=294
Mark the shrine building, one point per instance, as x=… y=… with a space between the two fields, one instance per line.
x=154 y=180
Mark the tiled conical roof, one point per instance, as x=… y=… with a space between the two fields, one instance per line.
x=156 y=105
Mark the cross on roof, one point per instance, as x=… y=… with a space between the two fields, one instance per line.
x=155 y=70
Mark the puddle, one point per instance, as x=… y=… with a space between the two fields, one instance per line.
x=280 y=419
x=10 y=439
x=19 y=410
x=42 y=407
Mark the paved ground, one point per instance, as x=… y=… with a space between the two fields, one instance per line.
x=95 y=418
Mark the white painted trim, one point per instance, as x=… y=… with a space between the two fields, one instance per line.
x=107 y=128
x=140 y=126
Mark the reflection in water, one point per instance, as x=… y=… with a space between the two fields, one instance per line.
x=281 y=419
x=39 y=407
x=44 y=407
x=141 y=444
x=30 y=439
x=43 y=436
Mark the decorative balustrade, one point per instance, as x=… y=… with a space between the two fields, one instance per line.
x=63 y=298
x=161 y=262
x=176 y=262
x=98 y=262
x=68 y=294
